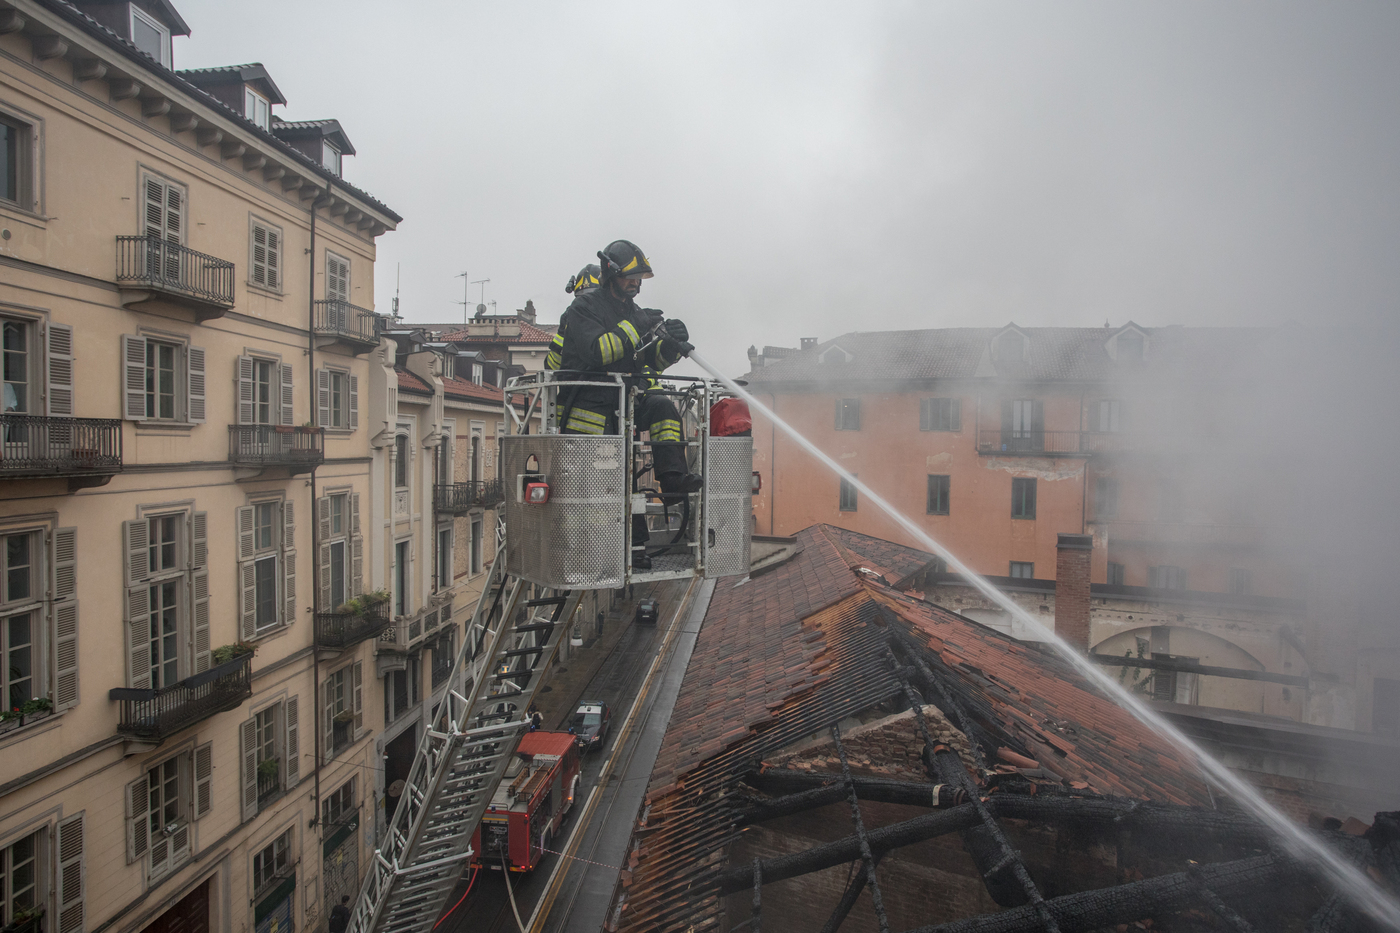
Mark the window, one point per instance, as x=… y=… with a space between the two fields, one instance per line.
x=256 y=108
x=38 y=618
x=1166 y=577
x=162 y=803
x=1385 y=707
x=16 y=162
x=21 y=864
x=330 y=157
x=339 y=805
x=269 y=755
x=444 y=558
x=337 y=508
x=848 y=414
x=940 y=414
x=164 y=381
x=342 y=710
x=337 y=400
x=337 y=277
x=847 y=500
x=401 y=578
x=1022 y=498
x=265 y=264
x=167 y=598
x=476 y=546
x=444 y=457
x=1115 y=574
x=1130 y=346
x=938 y=489
x=267 y=566
x=478 y=373
x=265 y=389
x=401 y=461
x=1239 y=581
x=150 y=35
x=1173 y=686
x=164 y=217
x=1022 y=570
x=1105 y=497
x=262 y=391
x=272 y=863
x=338 y=589
x=443 y=656
x=17 y=365
x=476 y=472
x=1108 y=415
x=1022 y=424
x=1010 y=346
x=341 y=549
x=401 y=690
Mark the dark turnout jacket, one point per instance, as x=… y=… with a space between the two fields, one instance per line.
x=601 y=335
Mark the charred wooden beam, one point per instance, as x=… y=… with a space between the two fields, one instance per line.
x=1107 y=907
x=1218 y=906
x=1191 y=667
x=847 y=849
x=867 y=857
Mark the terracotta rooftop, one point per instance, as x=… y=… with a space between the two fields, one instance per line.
x=412 y=383
x=529 y=333
x=466 y=389
x=788 y=652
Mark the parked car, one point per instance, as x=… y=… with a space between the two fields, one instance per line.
x=648 y=611
x=590 y=726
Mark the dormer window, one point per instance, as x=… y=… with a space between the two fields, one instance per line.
x=257 y=108
x=330 y=157
x=150 y=35
x=478 y=371
x=1130 y=346
x=835 y=354
x=1011 y=346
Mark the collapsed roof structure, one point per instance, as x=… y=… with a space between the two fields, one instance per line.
x=844 y=755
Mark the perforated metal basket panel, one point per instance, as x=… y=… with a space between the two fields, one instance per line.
x=728 y=504
x=576 y=540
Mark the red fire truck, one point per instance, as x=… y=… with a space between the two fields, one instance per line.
x=539 y=789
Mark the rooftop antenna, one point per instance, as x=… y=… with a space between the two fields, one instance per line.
x=466 y=300
x=493 y=306
x=398 y=277
x=481 y=305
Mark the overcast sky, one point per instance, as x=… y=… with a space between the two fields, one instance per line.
x=809 y=169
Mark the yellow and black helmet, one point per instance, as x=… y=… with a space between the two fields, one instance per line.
x=586 y=279
x=623 y=258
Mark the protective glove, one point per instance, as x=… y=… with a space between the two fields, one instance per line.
x=652 y=317
x=676 y=330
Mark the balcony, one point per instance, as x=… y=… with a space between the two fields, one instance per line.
x=341 y=629
x=299 y=449
x=461 y=498
x=87 y=451
x=149 y=267
x=158 y=714
x=336 y=321
x=407 y=632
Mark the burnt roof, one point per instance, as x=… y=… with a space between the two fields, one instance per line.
x=787 y=652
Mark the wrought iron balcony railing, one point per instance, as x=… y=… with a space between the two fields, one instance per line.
x=342 y=629
x=275 y=445
x=160 y=713
x=459 y=498
x=176 y=270
x=344 y=321
x=33 y=445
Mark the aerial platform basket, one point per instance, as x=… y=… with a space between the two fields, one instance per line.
x=582 y=536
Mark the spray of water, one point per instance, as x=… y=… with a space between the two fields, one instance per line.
x=1347 y=879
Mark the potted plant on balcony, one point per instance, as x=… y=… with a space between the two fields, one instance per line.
x=225 y=653
x=10 y=720
x=267 y=770
x=35 y=710
x=24 y=920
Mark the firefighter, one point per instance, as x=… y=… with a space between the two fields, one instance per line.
x=581 y=284
x=603 y=329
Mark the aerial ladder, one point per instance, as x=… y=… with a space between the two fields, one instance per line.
x=567 y=527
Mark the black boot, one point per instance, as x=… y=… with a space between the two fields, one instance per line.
x=677 y=483
x=640 y=561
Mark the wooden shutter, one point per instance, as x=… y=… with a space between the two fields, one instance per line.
x=323 y=518
x=274 y=258
x=70 y=876
x=138 y=804
x=248 y=768
x=324 y=562
x=267 y=256
x=288 y=414
x=155 y=208
x=357 y=690
x=244 y=378
x=199 y=586
x=133 y=378
x=354 y=401
x=60 y=360
x=323 y=398
x=65 y=618
x=199 y=539
x=137 y=605
x=203 y=779
x=259 y=263
x=194 y=368
x=247 y=582
x=293 y=744
x=955 y=414
x=357 y=548
x=289 y=563
x=327 y=722
x=337 y=278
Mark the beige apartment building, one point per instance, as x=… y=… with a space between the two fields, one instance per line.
x=185 y=484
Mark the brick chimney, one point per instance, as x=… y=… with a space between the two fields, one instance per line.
x=1072 y=557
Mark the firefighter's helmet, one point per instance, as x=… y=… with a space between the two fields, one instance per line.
x=623 y=259
x=586 y=279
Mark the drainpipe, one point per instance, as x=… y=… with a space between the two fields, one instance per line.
x=319 y=202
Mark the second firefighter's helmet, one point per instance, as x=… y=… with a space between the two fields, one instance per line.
x=586 y=279
x=623 y=259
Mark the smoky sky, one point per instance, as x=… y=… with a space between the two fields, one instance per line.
x=809 y=169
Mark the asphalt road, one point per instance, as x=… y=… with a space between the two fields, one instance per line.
x=576 y=900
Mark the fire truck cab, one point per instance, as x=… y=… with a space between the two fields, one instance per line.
x=539 y=789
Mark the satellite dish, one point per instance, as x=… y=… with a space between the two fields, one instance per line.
x=481 y=309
